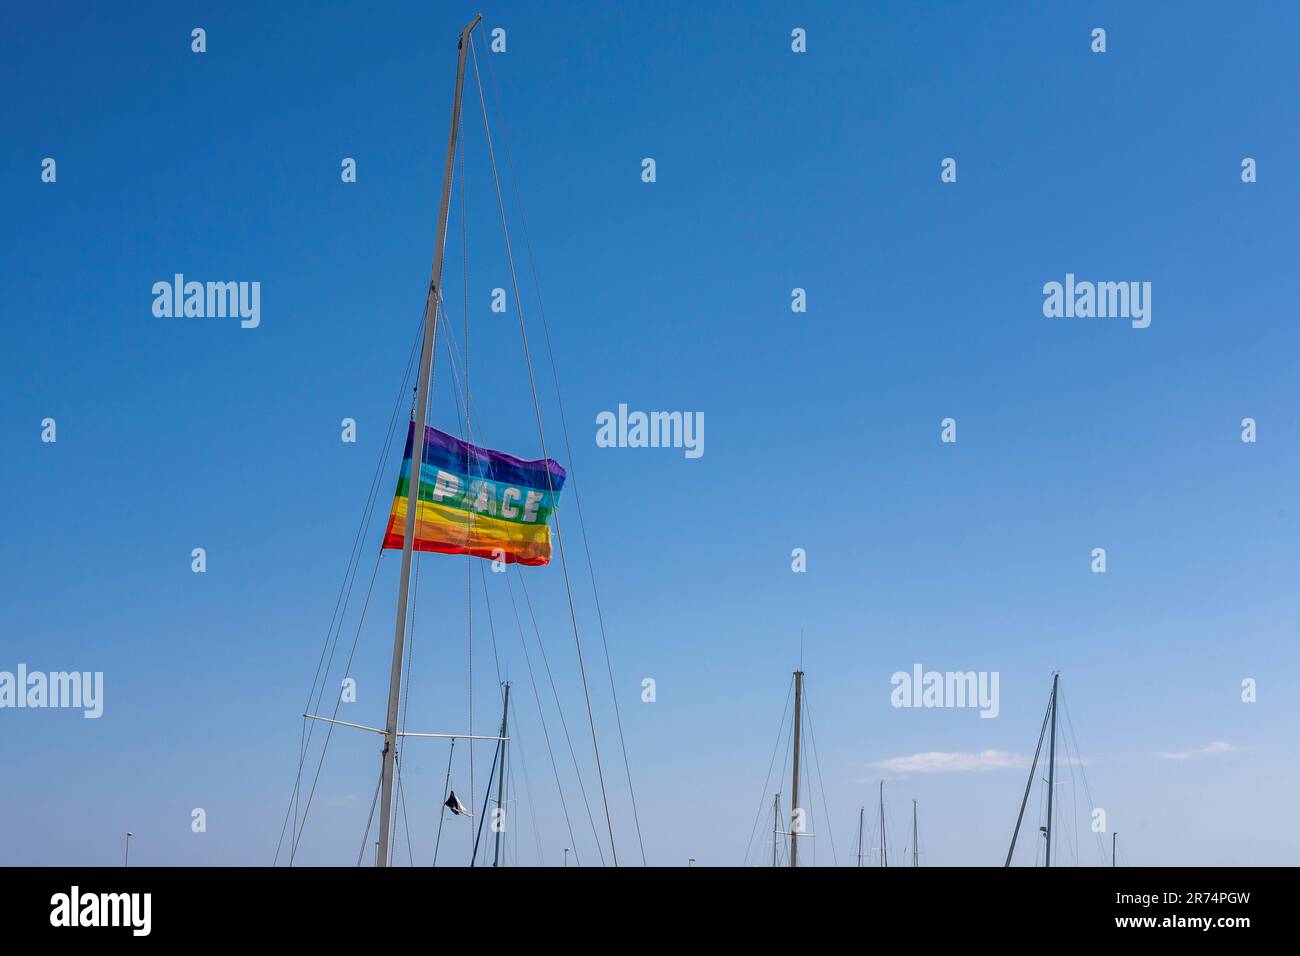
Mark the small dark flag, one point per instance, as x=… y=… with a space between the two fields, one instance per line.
x=455 y=806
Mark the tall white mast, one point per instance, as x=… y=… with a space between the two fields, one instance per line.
x=795 y=822
x=884 y=851
x=417 y=458
x=916 y=850
x=501 y=779
x=776 y=823
x=1051 y=769
x=862 y=813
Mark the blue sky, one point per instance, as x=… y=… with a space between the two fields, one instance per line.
x=774 y=170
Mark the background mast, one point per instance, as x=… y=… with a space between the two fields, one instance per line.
x=794 y=787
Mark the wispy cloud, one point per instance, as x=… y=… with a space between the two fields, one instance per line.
x=1212 y=749
x=940 y=762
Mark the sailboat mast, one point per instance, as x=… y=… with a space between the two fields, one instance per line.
x=501 y=781
x=776 y=823
x=916 y=846
x=1029 y=784
x=1051 y=768
x=417 y=459
x=1113 y=838
x=884 y=854
x=862 y=812
x=794 y=787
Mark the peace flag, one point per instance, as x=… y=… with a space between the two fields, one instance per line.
x=473 y=500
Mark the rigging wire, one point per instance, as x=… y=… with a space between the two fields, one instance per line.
x=541 y=435
x=917 y=849
x=498 y=765
x=512 y=845
x=1042 y=817
x=1072 y=835
x=487 y=796
x=446 y=795
x=762 y=800
x=365 y=837
x=340 y=610
x=469 y=558
x=492 y=630
x=787 y=761
x=1083 y=773
x=806 y=783
x=780 y=853
x=564 y=724
x=329 y=733
x=451 y=353
x=401 y=802
x=821 y=781
x=410 y=664
x=874 y=837
x=542 y=439
x=1029 y=785
x=541 y=714
x=528 y=792
x=891 y=825
x=907 y=845
x=449 y=338
x=463 y=420
x=568 y=447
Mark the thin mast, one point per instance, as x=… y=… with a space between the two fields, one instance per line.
x=417 y=459
x=794 y=787
x=776 y=823
x=1113 y=838
x=1051 y=768
x=884 y=854
x=501 y=783
x=861 y=815
x=916 y=854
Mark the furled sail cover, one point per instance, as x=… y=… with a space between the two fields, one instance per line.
x=476 y=501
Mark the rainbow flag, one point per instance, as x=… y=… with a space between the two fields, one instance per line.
x=476 y=501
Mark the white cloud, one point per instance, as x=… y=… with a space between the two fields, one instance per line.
x=1214 y=748
x=939 y=762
